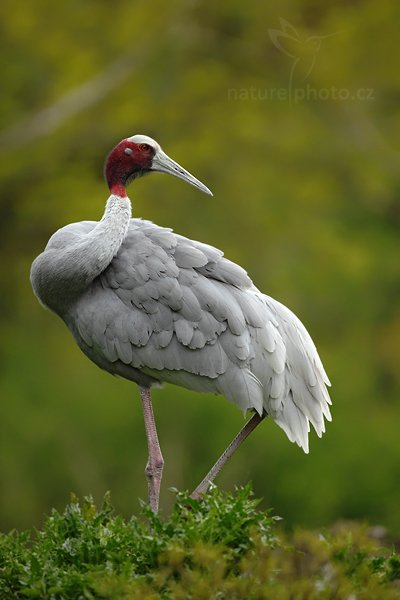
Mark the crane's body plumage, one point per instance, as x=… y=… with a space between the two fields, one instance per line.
x=152 y=306
x=169 y=309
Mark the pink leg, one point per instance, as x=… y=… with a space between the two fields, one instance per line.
x=155 y=463
x=225 y=456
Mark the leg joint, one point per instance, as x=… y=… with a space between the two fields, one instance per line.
x=155 y=467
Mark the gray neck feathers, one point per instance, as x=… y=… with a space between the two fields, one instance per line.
x=72 y=261
x=106 y=238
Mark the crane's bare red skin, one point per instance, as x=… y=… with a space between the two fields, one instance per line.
x=122 y=166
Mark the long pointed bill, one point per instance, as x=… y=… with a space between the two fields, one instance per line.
x=164 y=164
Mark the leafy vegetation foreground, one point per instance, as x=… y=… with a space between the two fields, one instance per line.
x=220 y=547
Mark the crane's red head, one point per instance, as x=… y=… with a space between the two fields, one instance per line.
x=138 y=155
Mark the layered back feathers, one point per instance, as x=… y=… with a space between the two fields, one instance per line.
x=171 y=309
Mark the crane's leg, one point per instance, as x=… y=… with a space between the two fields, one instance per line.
x=155 y=463
x=225 y=456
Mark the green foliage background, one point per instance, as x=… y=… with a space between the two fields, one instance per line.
x=220 y=546
x=305 y=198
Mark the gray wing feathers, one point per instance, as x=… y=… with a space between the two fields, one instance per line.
x=307 y=398
x=216 y=298
x=226 y=271
x=178 y=311
x=244 y=388
x=187 y=256
x=68 y=234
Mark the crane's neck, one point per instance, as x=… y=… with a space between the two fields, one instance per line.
x=118 y=189
x=108 y=234
x=101 y=245
x=69 y=265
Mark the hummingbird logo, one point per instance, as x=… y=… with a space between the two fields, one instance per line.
x=302 y=50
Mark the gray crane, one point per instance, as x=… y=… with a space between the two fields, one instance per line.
x=147 y=304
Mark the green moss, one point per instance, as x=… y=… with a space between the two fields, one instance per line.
x=220 y=547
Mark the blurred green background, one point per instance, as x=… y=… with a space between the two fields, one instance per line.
x=297 y=134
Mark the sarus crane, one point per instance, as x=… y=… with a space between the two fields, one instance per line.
x=147 y=304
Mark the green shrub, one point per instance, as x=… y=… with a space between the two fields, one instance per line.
x=219 y=547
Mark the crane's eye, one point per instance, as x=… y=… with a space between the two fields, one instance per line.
x=144 y=147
